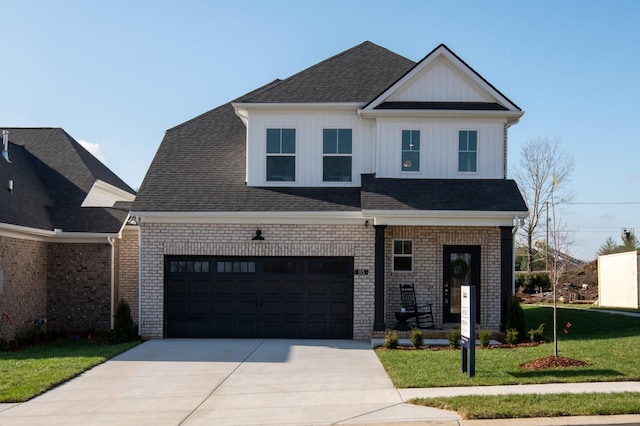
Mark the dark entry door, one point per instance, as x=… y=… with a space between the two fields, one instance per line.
x=461 y=266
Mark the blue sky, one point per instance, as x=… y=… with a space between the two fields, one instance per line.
x=117 y=74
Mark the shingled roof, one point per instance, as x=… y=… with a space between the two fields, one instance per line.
x=355 y=75
x=52 y=175
x=490 y=195
x=200 y=165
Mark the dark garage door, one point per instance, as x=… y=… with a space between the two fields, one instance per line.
x=259 y=297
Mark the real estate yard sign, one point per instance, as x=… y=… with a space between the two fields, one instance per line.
x=468 y=329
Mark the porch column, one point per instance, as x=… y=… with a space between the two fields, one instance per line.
x=378 y=317
x=506 y=271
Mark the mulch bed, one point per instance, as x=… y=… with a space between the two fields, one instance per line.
x=553 y=362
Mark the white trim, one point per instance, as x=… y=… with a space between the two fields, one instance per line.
x=283 y=218
x=442 y=218
x=242 y=107
x=55 y=236
x=103 y=194
x=511 y=117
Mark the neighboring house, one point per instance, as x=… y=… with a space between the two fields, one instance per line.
x=619 y=280
x=64 y=254
x=298 y=209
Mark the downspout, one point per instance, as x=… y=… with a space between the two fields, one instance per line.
x=113 y=249
x=513 y=258
x=139 y=277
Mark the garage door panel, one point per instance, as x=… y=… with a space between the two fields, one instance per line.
x=260 y=297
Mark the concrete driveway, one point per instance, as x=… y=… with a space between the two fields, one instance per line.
x=228 y=382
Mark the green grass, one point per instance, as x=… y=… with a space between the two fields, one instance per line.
x=609 y=342
x=32 y=371
x=537 y=405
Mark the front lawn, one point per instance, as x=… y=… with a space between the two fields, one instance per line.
x=32 y=371
x=609 y=343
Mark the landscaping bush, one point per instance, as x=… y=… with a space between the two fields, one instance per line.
x=391 y=341
x=416 y=337
x=515 y=316
x=124 y=328
x=27 y=336
x=454 y=336
x=4 y=345
x=485 y=337
x=535 y=334
x=511 y=336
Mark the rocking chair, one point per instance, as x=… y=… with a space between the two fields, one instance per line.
x=412 y=310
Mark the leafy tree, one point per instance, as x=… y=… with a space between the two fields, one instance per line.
x=630 y=243
x=544 y=171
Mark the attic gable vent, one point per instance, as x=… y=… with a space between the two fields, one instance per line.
x=5 y=145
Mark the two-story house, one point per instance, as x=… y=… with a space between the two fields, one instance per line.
x=299 y=208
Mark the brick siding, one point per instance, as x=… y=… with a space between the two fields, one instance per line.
x=357 y=241
x=24 y=289
x=79 y=286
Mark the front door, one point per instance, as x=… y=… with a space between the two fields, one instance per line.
x=461 y=266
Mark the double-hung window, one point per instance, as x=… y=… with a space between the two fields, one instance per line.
x=411 y=150
x=467 y=151
x=336 y=155
x=281 y=155
x=402 y=255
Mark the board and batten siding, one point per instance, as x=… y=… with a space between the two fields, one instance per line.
x=308 y=126
x=439 y=148
x=441 y=81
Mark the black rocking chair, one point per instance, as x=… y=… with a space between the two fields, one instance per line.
x=412 y=311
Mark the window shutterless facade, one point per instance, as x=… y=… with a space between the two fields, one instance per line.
x=467 y=151
x=336 y=155
x=402 y=255
x=281 y=155
x=411 y=150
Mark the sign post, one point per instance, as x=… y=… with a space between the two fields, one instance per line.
x=468 y=329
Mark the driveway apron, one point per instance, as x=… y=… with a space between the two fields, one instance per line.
x=228 y=382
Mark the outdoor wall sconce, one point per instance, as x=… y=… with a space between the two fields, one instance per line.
x=258 y=236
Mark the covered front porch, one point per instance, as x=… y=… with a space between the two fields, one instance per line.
x=438 y=260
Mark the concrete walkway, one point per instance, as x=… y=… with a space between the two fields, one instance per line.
x=257 y=382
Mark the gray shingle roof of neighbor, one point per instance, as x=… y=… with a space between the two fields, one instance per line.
x=493 y=195
x=200 y=165
x=52 y=175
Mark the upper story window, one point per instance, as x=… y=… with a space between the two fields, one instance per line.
x=411 y=150
x=281 y=155
x=402 y=255
x=336 y=155
x=467 y=151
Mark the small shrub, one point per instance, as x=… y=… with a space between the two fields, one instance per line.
x=4 y=345
x=454 y=336
x=27 y=336
x=511 y=336
x=416 y=337
x=485 y=337
x=515 y=316
x=391 y=341
x=124 y=328
x=535 y=334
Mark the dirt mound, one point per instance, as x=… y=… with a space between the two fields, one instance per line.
x=553 y=362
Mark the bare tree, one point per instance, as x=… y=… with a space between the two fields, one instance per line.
x=544 y=170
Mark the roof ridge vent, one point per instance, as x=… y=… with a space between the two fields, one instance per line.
x=5 y=145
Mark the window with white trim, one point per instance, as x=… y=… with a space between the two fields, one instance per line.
x=411 y=150
x=281 y=155
x=336 y=155
x=468 y=151
x=402 y=255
